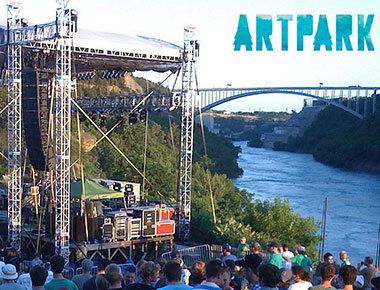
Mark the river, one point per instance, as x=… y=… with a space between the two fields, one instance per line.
x=353 y=197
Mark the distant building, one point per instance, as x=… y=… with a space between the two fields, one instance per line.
x=294 y=127
x=208 y=122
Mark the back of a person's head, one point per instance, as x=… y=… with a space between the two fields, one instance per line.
x=269 y=275
x=348 y=274
x=113 y=274
x=139 y=265
x=256 y=246
x=172 y=271
x=162 y=262
x=130 y=269
x=12 y=252
x=199 y=266
x=343 y=255
x=300 y=271
x=27 y=268
x=87 y=265
x=101 y=283
x=327 y=272
x=369 y=260
x=148 y=269
x=196 y=278
x=57 y=264
x=38 y=275
x=214 y=268
x=102 y=264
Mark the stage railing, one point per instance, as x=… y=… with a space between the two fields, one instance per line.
x=192 y=254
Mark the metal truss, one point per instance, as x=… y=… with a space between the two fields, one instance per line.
x=190 y=54
x=14 y=130
x=62 y=128
x=106 y=53
x=30 y=34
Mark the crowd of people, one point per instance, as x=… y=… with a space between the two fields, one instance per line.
x=249 y=269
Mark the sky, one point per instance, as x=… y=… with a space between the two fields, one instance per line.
x=216 y=24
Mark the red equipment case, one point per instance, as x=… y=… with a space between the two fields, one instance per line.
x=165 y=227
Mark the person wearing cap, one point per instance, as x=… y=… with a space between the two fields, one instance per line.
x=226 y=248
x=90 y=284
x=80 y=279
x=250 y=264
x=275 y=257
x=328 y=274
x=285 y=279
x=243 y=248
x=301 y=259
x=59 y=282
x=9 y=275
x=347 y=276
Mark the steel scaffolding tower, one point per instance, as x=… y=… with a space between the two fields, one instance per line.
x=14 y=128
x=62 y=128
x=190 y=53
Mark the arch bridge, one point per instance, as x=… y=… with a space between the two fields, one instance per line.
x=345 y=98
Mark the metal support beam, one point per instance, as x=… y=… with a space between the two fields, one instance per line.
x=190 y=53
x=14 y=130
x=62 y=128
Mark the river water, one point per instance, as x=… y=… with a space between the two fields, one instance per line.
x=353 y=197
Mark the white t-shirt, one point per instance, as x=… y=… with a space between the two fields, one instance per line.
x=24 y=280
x=300 y=286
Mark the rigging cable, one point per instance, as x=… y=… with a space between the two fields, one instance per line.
x=114 y=145
x=208 y=172
x=145 y=151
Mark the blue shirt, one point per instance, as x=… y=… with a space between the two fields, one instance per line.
x=207 y=286
x=177 y=287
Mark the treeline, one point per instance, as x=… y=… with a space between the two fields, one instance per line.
x=340 y=139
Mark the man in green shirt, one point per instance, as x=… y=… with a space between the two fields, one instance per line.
x=59 y=282
x=275 y=257
x=302 y=260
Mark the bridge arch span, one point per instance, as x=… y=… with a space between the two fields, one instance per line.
x=255 y=93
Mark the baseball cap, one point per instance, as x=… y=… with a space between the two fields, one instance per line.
x=227 y=247
x=301 y=249
x=9 y=272
x=87 y=265
x=251 y=261
x=273 y=244
x=286 y=275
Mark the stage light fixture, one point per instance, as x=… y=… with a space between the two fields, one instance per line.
x=143 y=114
x=132 y=119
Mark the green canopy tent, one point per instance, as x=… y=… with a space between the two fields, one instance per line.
x=93 y=190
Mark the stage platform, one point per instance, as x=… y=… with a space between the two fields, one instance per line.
x=109 y=250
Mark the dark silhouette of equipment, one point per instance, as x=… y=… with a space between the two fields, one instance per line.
x=36 y=107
